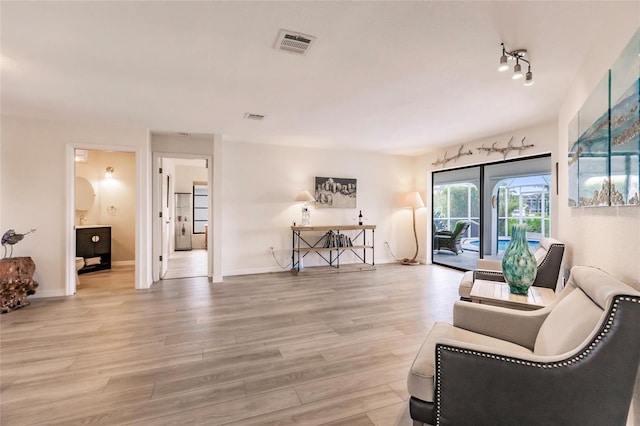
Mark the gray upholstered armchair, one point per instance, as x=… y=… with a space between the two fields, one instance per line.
x=571 y=363
x=548 y=256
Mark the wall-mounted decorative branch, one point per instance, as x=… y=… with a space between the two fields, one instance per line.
x=506 y=149
x=446 y=159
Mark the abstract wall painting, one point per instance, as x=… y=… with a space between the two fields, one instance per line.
x=334 y=192
x=625 y=125
x=604 y=138
x=574 y=152
x=593 y=148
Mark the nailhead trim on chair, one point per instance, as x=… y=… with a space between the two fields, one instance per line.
x=576 y=358
x=551 y=247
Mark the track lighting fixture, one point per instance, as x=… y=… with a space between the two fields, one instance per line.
x=517 y=55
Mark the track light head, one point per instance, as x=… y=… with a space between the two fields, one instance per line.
x=503 y=64
x=517 y=71
x=528 y=81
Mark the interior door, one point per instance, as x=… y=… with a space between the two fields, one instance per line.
x=166 y=219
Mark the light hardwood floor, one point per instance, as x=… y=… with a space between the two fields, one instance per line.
x=254 y=350
x=183 y=264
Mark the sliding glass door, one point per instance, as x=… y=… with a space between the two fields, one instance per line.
x=456 y=217
x=490 y=199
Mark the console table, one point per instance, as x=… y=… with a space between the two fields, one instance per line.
x=330 y=243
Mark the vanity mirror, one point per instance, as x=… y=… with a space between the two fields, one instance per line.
x=84 y=194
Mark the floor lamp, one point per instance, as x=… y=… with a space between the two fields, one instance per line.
x=413 y=200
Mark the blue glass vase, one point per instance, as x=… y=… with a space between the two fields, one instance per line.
x=518 y=263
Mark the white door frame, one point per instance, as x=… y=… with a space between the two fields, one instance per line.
x=156 y=203
x=140 y=262
x=166 y=216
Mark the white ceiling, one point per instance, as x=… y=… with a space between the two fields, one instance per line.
x=399 y=77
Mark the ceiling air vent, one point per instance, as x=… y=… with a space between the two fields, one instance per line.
x=292 y=42
x=250 y=116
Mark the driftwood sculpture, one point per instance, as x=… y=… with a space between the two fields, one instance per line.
x=446 y=159
x=16 y=282
x=506 y=149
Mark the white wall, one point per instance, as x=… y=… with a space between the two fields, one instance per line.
x=260 y=183
x=606 y=237
x=34 y=190
x=544 y=137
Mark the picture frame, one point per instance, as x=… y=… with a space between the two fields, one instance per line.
x=332 y=192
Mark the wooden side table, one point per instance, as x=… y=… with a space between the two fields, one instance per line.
x=497 y=293
x=16 y=282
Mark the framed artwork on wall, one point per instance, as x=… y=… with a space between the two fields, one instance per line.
x=604 y=138
x=334 y=192
x=574 y=153
x=593 y=147
x=625 y=125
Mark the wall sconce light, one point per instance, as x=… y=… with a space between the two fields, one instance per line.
x=306 y=197
x=108 y=173
x=517 y=55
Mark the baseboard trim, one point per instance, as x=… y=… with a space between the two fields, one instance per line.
x=41 y=294
x=123 y=263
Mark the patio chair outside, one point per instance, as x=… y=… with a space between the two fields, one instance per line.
x=450 y=240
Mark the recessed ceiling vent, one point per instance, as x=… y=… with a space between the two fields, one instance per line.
x=292 y=42
x=250 y=116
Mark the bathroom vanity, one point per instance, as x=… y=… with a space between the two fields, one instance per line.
x=93 y=243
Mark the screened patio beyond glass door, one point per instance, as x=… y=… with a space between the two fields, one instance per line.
x=523 y=200
x=456 y=200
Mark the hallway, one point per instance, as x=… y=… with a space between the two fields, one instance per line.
x=186 y=264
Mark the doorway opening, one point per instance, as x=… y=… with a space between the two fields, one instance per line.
x=104 y=231
x=185 y=205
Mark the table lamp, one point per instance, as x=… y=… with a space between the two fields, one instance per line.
x=305 y=197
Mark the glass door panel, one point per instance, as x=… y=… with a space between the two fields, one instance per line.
x=456 y=217
x=519 y=194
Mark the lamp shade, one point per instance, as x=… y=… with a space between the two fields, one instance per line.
x=304 y=196
x=413 y=199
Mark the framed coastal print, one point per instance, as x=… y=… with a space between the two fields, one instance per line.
x=604 y=137
x=332 y=192
x=593 y=147
x=625 y=125
x=574 y=152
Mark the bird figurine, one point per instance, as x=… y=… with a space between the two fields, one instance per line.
x=11 y=238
